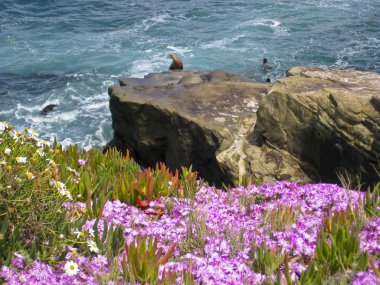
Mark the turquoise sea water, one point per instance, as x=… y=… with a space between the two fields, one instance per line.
x=68 y=52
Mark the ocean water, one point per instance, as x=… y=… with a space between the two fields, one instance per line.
x=68 y=52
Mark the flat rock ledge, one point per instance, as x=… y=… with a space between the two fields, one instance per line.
x=306 y=127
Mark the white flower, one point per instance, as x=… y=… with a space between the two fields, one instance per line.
x=32 y=133
x=60 y=185
x=42 y=143
x=62 y=191
x=91 y=232
x=72 y=171
x=71 y=268
x=79 y=234
x=68 y=195
x=93 y=247
x=16 y=135
x=7 y=151
x=40 y=152
x=21 y=159
x=3 y=127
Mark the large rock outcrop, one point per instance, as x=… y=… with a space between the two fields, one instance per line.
x=328 y=120
x=187 y=118
x=310 y=125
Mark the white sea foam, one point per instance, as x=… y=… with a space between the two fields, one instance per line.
x=337 y=4
x=97 y=106
x=142 y=67
x=6 y=112
x=70 y=88
x=66 y=142
x=274 y=24
x=222 y=43
x=135 y=39
x=103 y=97
x=259 y=22
x=355 y=49
x=157 y=19
x=66 y=116
x=179 y=50
x=29 y=109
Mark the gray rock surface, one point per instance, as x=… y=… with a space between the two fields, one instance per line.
x=310 y=125
x=187 y=118
x=328 y=121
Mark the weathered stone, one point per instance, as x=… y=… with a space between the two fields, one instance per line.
x=310 y=125
x=198 y=124
x=328 y=121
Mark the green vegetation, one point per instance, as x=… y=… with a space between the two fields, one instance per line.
x=142 y=259
x=37 y=178
x=196 y=234
x=338 y=253
x=53 y=200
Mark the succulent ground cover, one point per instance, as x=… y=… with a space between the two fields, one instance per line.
x=76 y=217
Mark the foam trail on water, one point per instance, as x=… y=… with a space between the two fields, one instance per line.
x=222 y=43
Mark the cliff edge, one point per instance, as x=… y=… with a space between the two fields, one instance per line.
x=307 y=127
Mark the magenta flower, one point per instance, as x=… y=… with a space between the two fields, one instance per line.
x=228 y=222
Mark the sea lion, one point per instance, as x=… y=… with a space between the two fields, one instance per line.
x=177 y=62
x=47 y=109
x=266 y=65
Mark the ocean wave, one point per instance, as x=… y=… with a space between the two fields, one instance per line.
x=96 y=106
x=222 y=43
x=35 y=108
x=259 y=22
x=273 y=24
x=72 y=60
x=156 y=19
x=156 y=62
x=179 y=50
x=359 y=51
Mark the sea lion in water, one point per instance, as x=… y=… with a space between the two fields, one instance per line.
x=47 y=109
x=266 y=65
x=177 y=62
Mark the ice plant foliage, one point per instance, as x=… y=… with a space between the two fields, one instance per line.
x=76 y=217
x=31 y=215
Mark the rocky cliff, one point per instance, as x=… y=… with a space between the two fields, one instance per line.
x=310 y=125
x=187 y=118
x=328 y=120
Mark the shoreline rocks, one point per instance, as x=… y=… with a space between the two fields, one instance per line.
x=329 y=120
x=310 y=125
x=160 y=118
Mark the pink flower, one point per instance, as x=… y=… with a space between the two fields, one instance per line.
x=82 y=162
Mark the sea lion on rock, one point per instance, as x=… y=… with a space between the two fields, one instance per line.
x=47 y=109
x=177 y=62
